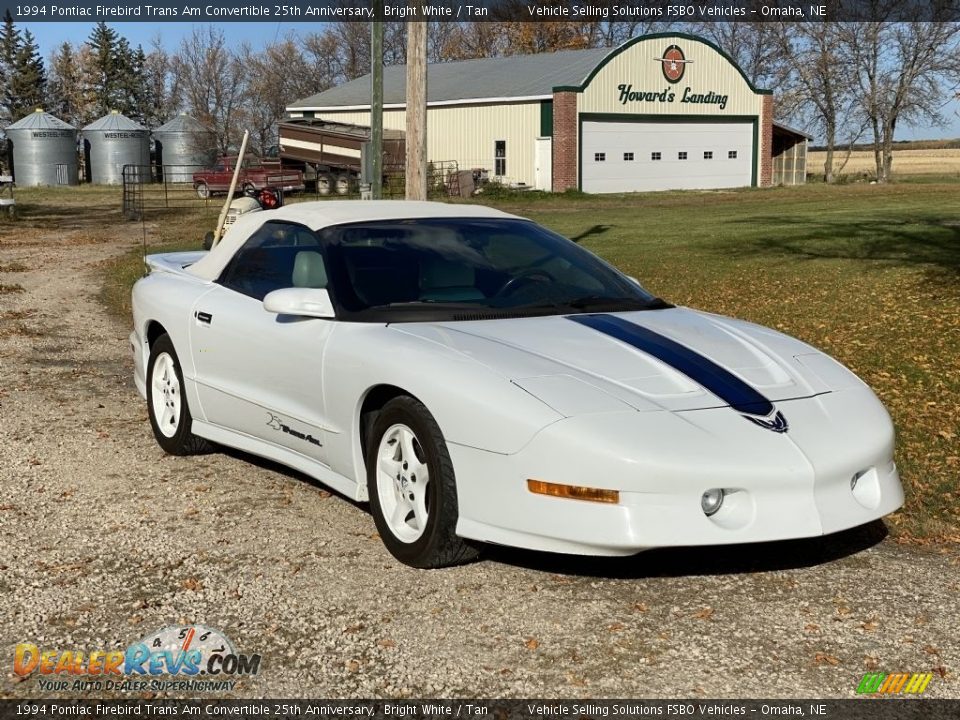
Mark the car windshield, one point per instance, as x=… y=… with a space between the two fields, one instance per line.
x=471 y=267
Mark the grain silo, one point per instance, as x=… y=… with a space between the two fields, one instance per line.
x=112 y=142
x=183 y=146
x=43 y=150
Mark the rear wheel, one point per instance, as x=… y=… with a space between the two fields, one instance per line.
x=344 y=184
x=170 y=415
x=203 y=190
x=413 y=492
x=325 y=184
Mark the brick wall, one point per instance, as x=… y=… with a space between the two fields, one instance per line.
x=564 y=141
x=766 y=143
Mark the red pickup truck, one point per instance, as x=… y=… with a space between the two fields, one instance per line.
x=254 y=175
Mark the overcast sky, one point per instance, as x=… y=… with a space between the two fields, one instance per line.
x=50 y=34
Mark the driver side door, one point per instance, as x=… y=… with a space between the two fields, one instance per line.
x=259 y=373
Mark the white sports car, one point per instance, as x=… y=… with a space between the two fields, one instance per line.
x=480 y=379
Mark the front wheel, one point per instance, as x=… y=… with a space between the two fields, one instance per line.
x=170 y=415
x=203 y=191
x=413 y=493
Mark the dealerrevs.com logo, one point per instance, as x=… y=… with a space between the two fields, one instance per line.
x=174 y=658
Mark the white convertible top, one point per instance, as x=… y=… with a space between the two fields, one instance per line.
x=324 y=213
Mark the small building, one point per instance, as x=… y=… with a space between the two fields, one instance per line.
x=181 y=147
x=43 y=150
x=659 y=112
x=112 y=143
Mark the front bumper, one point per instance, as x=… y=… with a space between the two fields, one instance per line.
x=781 y=486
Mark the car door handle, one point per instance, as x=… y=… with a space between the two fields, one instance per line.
x=203 y=317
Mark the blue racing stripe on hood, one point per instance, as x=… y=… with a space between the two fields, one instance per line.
x=721 y=382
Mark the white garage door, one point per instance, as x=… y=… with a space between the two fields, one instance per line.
x=627 y=157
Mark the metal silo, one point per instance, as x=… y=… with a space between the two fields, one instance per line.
x=43 y=150
x=183 y=146
x=112 y=142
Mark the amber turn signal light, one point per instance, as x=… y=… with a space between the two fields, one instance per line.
x=573 y=492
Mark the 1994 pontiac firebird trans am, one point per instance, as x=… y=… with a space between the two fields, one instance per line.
x=480 y=379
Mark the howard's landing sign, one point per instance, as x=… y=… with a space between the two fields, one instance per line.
x=673 y=63
x=628 y=94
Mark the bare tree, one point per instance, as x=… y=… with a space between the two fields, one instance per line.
x=211 y=81
x=283 y=71
x=752 y=47
x=157 y=93
x=818 y=86
x=903 y=71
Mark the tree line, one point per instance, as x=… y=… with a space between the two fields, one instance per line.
x=844 y=82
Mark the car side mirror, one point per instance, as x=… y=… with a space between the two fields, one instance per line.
x=301 y=302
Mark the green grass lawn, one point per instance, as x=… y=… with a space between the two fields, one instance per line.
x=867 y=273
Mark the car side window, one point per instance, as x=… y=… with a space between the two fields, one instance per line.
x=278 y=255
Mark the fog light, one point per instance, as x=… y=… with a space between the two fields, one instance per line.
x=711 y=501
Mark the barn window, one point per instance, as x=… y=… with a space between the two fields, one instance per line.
x=599 y=157
x=732 y=155
x=500 y=158
x=628 y=156
x=654 y=156
x=708 y=155
x=682 y=155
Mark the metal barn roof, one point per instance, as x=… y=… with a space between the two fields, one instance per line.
x=517 y=76
x=114 y=121
x=40 y=120
x=183 y=123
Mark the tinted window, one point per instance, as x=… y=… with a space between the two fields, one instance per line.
x=278 y=255
x=489 y=264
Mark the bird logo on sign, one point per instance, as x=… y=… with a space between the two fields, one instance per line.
x=673 y=63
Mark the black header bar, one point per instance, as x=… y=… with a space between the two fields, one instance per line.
x=886 y=708
x=293 y=11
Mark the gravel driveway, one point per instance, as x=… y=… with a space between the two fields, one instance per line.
x=105 y=538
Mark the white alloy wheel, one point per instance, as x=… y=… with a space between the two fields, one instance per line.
x=402 y=480
x=166 y=395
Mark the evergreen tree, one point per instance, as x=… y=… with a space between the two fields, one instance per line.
x=10 y=42
x=28 y=83
x=104 y=71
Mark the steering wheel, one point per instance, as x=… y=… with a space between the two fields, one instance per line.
x=532 y=275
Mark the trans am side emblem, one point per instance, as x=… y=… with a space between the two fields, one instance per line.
x=673 y=62
x=778 y=424
x=279 y=425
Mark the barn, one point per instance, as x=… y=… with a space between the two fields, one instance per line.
x=659 y=112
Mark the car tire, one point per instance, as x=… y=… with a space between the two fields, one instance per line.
x=343 y=184
x=416 y=521
x=203 y=191
x=167 y=405
x=325 y=184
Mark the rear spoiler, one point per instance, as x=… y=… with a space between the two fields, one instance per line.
x=175 y=262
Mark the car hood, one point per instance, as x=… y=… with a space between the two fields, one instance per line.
x=576 y=368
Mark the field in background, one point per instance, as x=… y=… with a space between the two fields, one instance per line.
x=906 y=163
x=867 y=273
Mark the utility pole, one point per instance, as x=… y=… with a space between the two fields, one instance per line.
x=416 y=140
x=376 y=101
